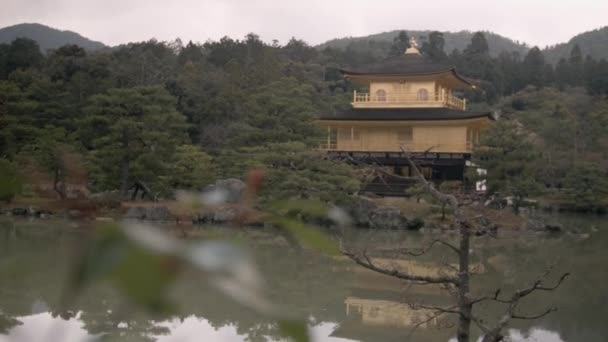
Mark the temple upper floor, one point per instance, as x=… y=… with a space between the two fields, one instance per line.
x=429 y=93
x=410 y=80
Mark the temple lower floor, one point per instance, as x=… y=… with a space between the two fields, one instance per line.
x=394 y=180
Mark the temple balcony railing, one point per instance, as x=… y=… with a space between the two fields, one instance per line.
x=408 y=100
x=414 y=147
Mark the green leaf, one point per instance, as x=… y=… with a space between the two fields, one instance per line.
x=144 y=275
x=308 y=235
x=100 y=257
x=307 y=207
x=295 y=330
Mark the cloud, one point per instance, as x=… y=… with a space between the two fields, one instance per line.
x=539 y=22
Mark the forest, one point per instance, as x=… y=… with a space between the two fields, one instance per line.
x=179 y=116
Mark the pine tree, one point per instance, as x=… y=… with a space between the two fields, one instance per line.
x=533 y=67
x=191 y=53
x=434 y=47
x=509 y=158
x=133 y=132
x=400 y=44
x=598 y=81
x=477 y=63
x=478 y=45
x=562 y=73
x=23 y=53
x=576 y=66
x=587 y=186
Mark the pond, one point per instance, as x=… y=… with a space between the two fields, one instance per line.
x=339 y=300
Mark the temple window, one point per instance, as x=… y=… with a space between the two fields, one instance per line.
x=356 y=133
x=345 y=134
x=423 y=94
x=404 y=135
x=381 y=95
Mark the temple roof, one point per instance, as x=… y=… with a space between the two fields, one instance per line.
x=407 y=64
x=405 y=114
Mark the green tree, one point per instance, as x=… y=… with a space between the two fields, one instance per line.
x=293 y=171
x=49 y=152
x=562 y=73
x=509 y=157
x=509 y=66
x=204 y=97
x=476 y=63
x=66 y=61
x=534 y=67
x=597 y=84
x=4 y=50
x=133 y=133
x=191 y=53
x=17 y=122
x=23 y=53
x=587 y=187
x=434 y=47
x=576 y=70
x=10 y=182
x=281 y=111
x=299 y=50
x=478 y=45
x=400 y=44
x=148 y=63
x=191 y=168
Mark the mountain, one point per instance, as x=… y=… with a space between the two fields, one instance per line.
x=593 y=43
x=453 y=40
x=47 y=37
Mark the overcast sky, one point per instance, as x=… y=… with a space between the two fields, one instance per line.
x=536 y=22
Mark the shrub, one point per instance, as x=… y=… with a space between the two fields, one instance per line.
x=10 y=182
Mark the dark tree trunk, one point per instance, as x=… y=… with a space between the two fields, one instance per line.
x=464 y=303
x=59 y=184
x=124 y=177
x=124 y=165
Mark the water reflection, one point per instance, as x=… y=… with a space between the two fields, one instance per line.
x=342 y=302
x=197 y=329
x=44 y=327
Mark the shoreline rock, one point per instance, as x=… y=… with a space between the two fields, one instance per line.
x=230 y=190
x=219 y=215
x=366 y=213
x=149 y=213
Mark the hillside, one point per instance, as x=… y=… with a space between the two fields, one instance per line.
x=594 y=43
x=453 y=40
x=47 y=37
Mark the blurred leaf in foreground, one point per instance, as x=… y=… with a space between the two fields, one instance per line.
x=289 y=215
x=301 y=207
x=296 y=330
x=310 y=236
x=143 y=262
x=144 y=275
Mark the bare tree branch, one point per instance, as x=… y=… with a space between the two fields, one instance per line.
x=519 y=294
x=438 y=195
x=494 y=334
x=545 y=313
x=450 y=310
x=480 y=324
x=448 y=266
x=426 y=249
x=367 y=263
